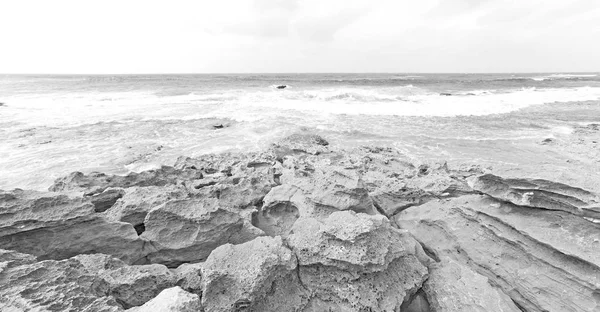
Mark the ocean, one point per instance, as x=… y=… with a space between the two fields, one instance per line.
x=51 y=125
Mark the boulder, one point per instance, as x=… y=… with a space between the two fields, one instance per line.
x=268 y=282
x=172 y=299
x=544 y=260
x=182 y=231
x=348 y=254
x=54 y=226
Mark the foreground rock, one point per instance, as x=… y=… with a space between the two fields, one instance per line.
x=544 y=260
x=301 y=227
x=348 y=254
x=171 y=300
x=188 y=230
x=53 y=226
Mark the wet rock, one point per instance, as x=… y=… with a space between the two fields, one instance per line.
x=348 y=254
x=267 y=283
x=544 y=260
x=53 y=226
x=172 y=299
x=300 y=143
x=539 y=193
x=106 y=199
x=182 y=231
x=96 y=182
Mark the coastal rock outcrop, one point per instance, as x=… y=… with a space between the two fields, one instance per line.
x=269 y=282
x=302 y=226
x=540 y=194
x=544 y=260
x=183 y=231
x=357 y=262
x=97 y=182
x=54 y=226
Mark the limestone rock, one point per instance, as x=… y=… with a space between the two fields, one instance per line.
x=96 y=182
x=189 y=277
x=357 y=262
x=138 y=201
x=540 y=194
x=188 y=230
x=259 y=275
x=53 y=226
x=299 y=143
x=172 y=299
x=453 y=287
x=49 y=285
x=135 y=285
x=544 y=260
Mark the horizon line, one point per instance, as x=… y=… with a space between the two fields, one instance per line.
x=301 y=73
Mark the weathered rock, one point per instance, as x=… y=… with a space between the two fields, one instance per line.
x=96 y=182
x=135 y=285
x=138 y=201
x=188 y=230
x=454 y=287
x=300 y=143
x=53 y=226
x=49 y=285
x=544 y=260
x=106 y=199
x=266 y=283
x=172 y=299
x=349 y=254
x=189 y=277
x=540 y=194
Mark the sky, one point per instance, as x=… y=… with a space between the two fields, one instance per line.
x=263 y=36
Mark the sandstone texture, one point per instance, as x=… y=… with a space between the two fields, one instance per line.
x=301 y=226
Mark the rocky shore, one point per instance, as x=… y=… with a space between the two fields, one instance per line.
x=301 y=227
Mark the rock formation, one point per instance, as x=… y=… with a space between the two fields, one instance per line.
x=302 y=226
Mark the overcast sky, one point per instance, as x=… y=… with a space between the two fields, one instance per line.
x=202 y=36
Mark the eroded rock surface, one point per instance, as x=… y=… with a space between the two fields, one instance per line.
x=302 y=226
x=54 y=226
x=543 y=260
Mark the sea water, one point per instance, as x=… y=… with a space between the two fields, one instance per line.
x=51 y=125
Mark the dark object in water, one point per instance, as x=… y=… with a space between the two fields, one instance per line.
x=281 y=87
x=446 y=94
x=1 y=104
x=219 y=126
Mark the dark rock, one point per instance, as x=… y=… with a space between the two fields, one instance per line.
x=281 y=87
x=106 y=199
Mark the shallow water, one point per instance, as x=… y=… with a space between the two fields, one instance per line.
x=52 y=125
